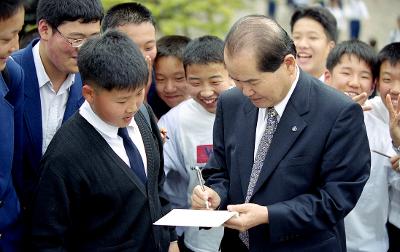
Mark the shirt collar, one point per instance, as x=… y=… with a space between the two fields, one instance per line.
x=107 y=129
x=41 y=74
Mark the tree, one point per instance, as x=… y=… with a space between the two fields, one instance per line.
x=195 y=17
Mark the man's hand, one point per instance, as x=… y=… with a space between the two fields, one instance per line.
x=250 y=215
x=361 y=99
x=199 y=198
x=394 y=119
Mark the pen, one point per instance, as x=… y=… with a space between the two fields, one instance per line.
x=380 y=153
x=201 y=181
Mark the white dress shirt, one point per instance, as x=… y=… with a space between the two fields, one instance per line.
x=379 y=110
x=279 y=108
x=110 y=134
x=366 y=224
x=52 y=103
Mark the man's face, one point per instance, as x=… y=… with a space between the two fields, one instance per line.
x=59 y=53
x=115 y=107
x=352 y=76
x=389 y=81
x=170 y=80
x=206 y=83
x=144 y=35
x=9 y=29
x=264 y=89
x=312 y=45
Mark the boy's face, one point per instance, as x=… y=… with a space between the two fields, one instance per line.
x=59 y=53
x=170 y=80
x=115 y=107
x=312 y=45
x=389 y=81
x=206 y=82
x=351 y=75
x=9 y=29
x=144 y=35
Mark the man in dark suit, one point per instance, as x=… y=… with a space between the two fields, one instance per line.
x=291 y=154
x=52 y=86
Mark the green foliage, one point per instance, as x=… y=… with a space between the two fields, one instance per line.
x=191 y=18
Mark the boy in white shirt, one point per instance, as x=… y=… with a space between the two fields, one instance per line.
x=351 y=69
x=189 y=128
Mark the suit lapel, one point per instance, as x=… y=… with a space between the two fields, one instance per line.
x=289 y=129
x=32 y=106
x=245 y=147
x=75 y=98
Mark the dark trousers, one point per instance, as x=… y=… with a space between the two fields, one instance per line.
x=394 y=238
x=355 y=26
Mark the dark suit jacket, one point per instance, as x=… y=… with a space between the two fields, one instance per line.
x=11 y=101
x=312 y=176
x=88 y=199
x=27 y=175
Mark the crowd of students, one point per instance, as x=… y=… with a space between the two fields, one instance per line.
x=102 y=124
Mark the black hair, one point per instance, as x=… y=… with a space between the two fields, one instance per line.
x=56 y=12
x=321 y=15
x=268 y=40
x=112 y=61
x=204 y=50
x=391 y=53
x=8 y=8
x=354 y=47
x=127 y=13
x=172 y=45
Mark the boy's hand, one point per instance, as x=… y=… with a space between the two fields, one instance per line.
x=395 y=161
x=394 y=119
x=164 y=137
x=173 y=247
x=361 y=99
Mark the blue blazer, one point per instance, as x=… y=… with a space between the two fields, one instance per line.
x=27 y=175
x=11 y=101
x=313 y=174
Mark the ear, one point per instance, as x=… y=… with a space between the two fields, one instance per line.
x=44 y=29
x=373 y=85
x=88 y=92
x=332 y=44
x=290 y=64
x=328 y=77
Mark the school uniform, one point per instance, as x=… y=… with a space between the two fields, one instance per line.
x=89 y=199
x=11 y=101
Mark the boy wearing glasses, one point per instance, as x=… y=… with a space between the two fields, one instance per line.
x=53 y=88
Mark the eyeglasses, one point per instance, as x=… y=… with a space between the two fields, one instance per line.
x=75 y=43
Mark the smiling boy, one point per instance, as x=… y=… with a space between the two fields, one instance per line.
x=101 y=185
x=351 y=69
x=190 y=127
x=314 y=32
x=52 y=86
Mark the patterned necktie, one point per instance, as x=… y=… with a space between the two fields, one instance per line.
x=135 y=159
x=272 y=122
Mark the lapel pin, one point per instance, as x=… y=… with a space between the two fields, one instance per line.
x=294 y=128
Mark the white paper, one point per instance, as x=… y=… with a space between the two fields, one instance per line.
x=195 y=218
